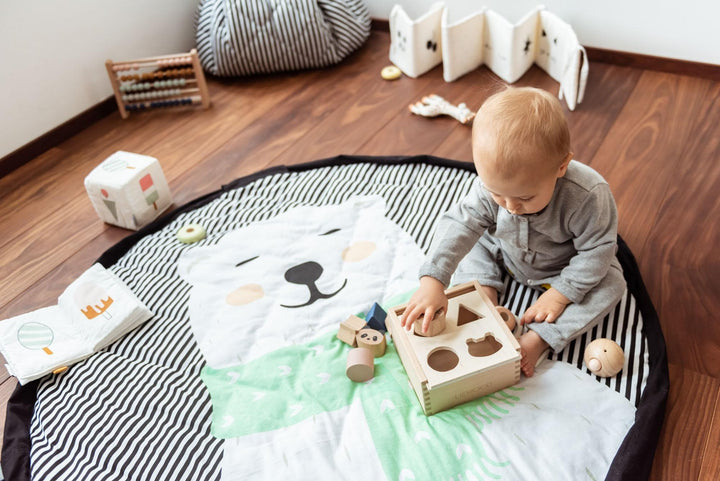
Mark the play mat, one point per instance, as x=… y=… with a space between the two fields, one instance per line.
x=239 y=375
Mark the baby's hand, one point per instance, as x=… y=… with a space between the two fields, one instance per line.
x=427 y=300
x=547 y=308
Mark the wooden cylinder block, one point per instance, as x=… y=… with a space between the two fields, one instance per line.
x=507 y=316
x=373 y=340
x=360 y=364
x=437 y=325
x=604 y=357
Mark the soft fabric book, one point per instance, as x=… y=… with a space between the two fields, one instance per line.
x=95 y=310
x=487 y=38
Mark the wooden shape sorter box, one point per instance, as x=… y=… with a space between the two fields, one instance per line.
x=474 y=356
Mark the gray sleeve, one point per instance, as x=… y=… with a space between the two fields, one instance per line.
x=594 y=227
x=456 y=233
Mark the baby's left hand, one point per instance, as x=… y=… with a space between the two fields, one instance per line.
x=547 y=308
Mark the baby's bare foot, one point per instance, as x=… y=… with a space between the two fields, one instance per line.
x=531 y=348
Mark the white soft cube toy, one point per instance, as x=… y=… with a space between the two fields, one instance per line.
x=128 y=190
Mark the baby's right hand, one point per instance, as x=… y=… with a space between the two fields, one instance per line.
x=426 y=301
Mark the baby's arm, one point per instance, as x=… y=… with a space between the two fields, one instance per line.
x=594 y=229
x=427 y=300
x=455 y=235
x=594 y=226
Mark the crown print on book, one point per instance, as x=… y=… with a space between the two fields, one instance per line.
x=91 y=312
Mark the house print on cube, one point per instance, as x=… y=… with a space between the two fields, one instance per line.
x=128 y=190
x=476 y=354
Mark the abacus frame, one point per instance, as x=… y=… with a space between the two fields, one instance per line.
x=155 y=95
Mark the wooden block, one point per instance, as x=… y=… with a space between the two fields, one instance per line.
x=436 y=326
x=360 y=364
x=475 y=355
x=349 y=329
x=604 y=357
x=376 y=318
x=507 y=316
x=373 y=340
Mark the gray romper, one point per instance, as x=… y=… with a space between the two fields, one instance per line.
x=570 y=245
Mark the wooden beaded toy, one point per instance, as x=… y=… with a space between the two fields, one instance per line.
x=155 y=82
x=604 y=358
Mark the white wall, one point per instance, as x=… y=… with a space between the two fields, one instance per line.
x=53 y=52
x=686 y=30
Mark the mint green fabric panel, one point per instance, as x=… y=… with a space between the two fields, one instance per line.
x=279 y=389
x=431 y=446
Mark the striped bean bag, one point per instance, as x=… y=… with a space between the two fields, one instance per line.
x=243 y=37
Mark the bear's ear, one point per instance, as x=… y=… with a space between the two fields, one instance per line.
x=193 y=262
x=367 y=202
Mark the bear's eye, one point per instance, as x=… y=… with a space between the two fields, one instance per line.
x=331 y=231
x=246 y=261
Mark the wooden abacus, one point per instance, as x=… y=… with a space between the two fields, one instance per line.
x=156 y=82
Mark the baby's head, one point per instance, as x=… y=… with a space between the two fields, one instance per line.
x=521 y=146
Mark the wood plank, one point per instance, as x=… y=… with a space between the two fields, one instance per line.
x=686 y=299
x=348 y=129
x=608 y=90
x=682 y=271
x=711 y=459
x=655 y=123
x=410 y=134
x=689 y=413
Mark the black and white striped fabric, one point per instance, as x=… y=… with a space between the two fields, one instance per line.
x=139 y=411
x=243 y=37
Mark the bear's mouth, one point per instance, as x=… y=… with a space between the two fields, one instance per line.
x=307 y=274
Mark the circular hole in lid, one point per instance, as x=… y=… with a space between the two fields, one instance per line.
x=443 y=359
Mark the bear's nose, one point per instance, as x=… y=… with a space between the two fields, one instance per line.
x=306 y=273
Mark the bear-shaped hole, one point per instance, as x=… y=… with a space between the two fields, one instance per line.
x=443 y=359
x=485 y=346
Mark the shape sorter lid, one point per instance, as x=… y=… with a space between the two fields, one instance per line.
x=120 y=168
x=468 y=346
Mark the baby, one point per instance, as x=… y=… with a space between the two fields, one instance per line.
x=548 y=221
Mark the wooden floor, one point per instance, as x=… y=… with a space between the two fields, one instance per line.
x=654 y=136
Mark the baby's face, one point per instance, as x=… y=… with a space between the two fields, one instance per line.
x=529 y=187
x=528 y=190
x=524 y=193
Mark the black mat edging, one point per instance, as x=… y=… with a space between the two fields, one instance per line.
x=16 y=446
x=634 y=458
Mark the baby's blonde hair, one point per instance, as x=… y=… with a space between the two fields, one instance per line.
x=528 y=126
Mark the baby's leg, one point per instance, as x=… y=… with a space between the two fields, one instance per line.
x=578 y=318
x=483 y=264
x=531 y=348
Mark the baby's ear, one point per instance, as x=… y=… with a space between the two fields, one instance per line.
x=564 y=165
